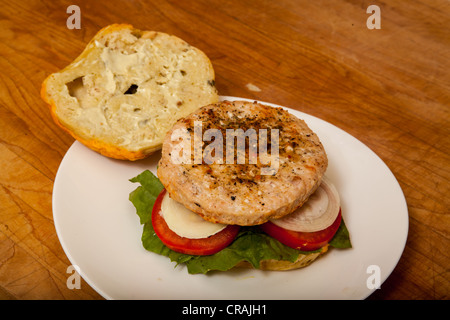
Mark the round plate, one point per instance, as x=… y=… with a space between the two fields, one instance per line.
x=100 y=232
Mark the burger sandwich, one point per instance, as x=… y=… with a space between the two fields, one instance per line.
x=240 y=184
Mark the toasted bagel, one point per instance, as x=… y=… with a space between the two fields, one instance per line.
x=302 y=261
x=127 y=89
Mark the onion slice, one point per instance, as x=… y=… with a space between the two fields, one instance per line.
x=318 y=213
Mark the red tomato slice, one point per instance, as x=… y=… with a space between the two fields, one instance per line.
x=199 y=247
x=306 y=241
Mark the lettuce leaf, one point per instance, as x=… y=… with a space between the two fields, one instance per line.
x=250 y=245
x=144 y=197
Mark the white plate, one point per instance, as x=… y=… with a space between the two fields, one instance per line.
x=100 y=231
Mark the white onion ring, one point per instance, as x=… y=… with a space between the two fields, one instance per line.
x=318 y=213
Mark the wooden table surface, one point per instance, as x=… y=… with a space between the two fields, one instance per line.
x=388 y=87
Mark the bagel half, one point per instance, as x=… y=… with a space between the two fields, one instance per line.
x=302 y=261
x=127 y=89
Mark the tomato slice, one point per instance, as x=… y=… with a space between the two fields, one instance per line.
x=306 y=241
x=199 y=247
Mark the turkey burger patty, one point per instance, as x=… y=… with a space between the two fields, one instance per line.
x=241 y=187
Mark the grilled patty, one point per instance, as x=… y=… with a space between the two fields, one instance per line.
x=233 y=191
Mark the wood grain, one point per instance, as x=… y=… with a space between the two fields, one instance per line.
x=390 y=88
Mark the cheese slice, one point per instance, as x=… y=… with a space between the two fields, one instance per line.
x=186 y=223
